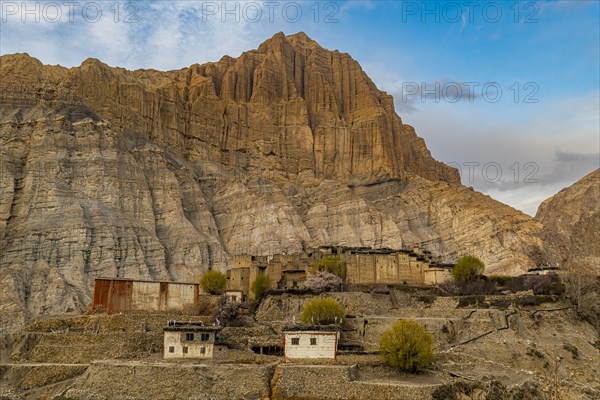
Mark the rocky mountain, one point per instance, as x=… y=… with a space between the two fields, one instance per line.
x=571 y=221
x=161 y=175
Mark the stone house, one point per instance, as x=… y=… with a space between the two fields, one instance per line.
x=192 y=341
x=286 y=271
x=364 y=266
x=393 y=267
x=306 y=341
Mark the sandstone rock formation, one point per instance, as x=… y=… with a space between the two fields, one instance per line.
x=161 y=175
x=571 y=220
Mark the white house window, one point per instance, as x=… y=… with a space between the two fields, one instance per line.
x=185 y=350
x=295 y=341
x=171 y=349
x=202 y=350
x=204 y=337
x=313 y=341
x=189 y=337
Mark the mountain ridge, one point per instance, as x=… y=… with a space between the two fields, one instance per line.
x=571 y=220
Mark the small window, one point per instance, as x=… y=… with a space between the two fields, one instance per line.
x=205 y=337
x=295 y=341
x=185 y=350
x=189 y=337
x=313 y=341
x=202 y=350
x=171 y=349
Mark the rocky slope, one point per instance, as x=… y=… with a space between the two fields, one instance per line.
x=509 y=347
x=571 y=221
x=161 y=175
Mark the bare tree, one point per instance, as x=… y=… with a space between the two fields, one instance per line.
x=552 y=376
x=583 y=289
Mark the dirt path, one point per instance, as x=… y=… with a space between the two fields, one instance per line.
x=39 y=364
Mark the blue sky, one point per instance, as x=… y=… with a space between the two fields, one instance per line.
x=542 y=133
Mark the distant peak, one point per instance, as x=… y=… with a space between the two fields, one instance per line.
x=299 y=39
x=278 y=36
x=91 y=61
x=276 y=40
x=94 y=63
x=21 y=58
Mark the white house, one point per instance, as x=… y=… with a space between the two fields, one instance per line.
x=319 y=341
x=185 y=340
x=234 y=295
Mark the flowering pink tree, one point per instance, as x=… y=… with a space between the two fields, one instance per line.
x=323 y=282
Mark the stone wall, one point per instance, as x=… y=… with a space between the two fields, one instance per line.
x=83 y=347
x=175 y=381
x=239 y=279
x=396 y=268
x=284 y=307
x=305 y=382
x=369 y=315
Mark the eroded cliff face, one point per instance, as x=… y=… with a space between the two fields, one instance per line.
x=161 y=175
x=571 y=221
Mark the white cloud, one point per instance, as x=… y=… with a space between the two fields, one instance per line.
x=560 y=139
x=161 y=34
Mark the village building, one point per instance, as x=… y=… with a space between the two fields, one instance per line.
x=543 y=269
x=364 y=266
x=393 y=267
x=120 y=295
x=236 y=296
x=306 y=341
x=286 y=271
x=192 y=341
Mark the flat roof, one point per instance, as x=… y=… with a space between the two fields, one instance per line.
x=192 y=327
x=143 y=280
x=314 y=328
x=441 y=265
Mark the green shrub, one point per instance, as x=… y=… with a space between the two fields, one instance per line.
x=407 y=345
x=213 y=282
x=260 y=285
x=333 y=265
x=468 y=268
x=322 y=311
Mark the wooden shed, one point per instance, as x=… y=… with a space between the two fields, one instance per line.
x=117 y=295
